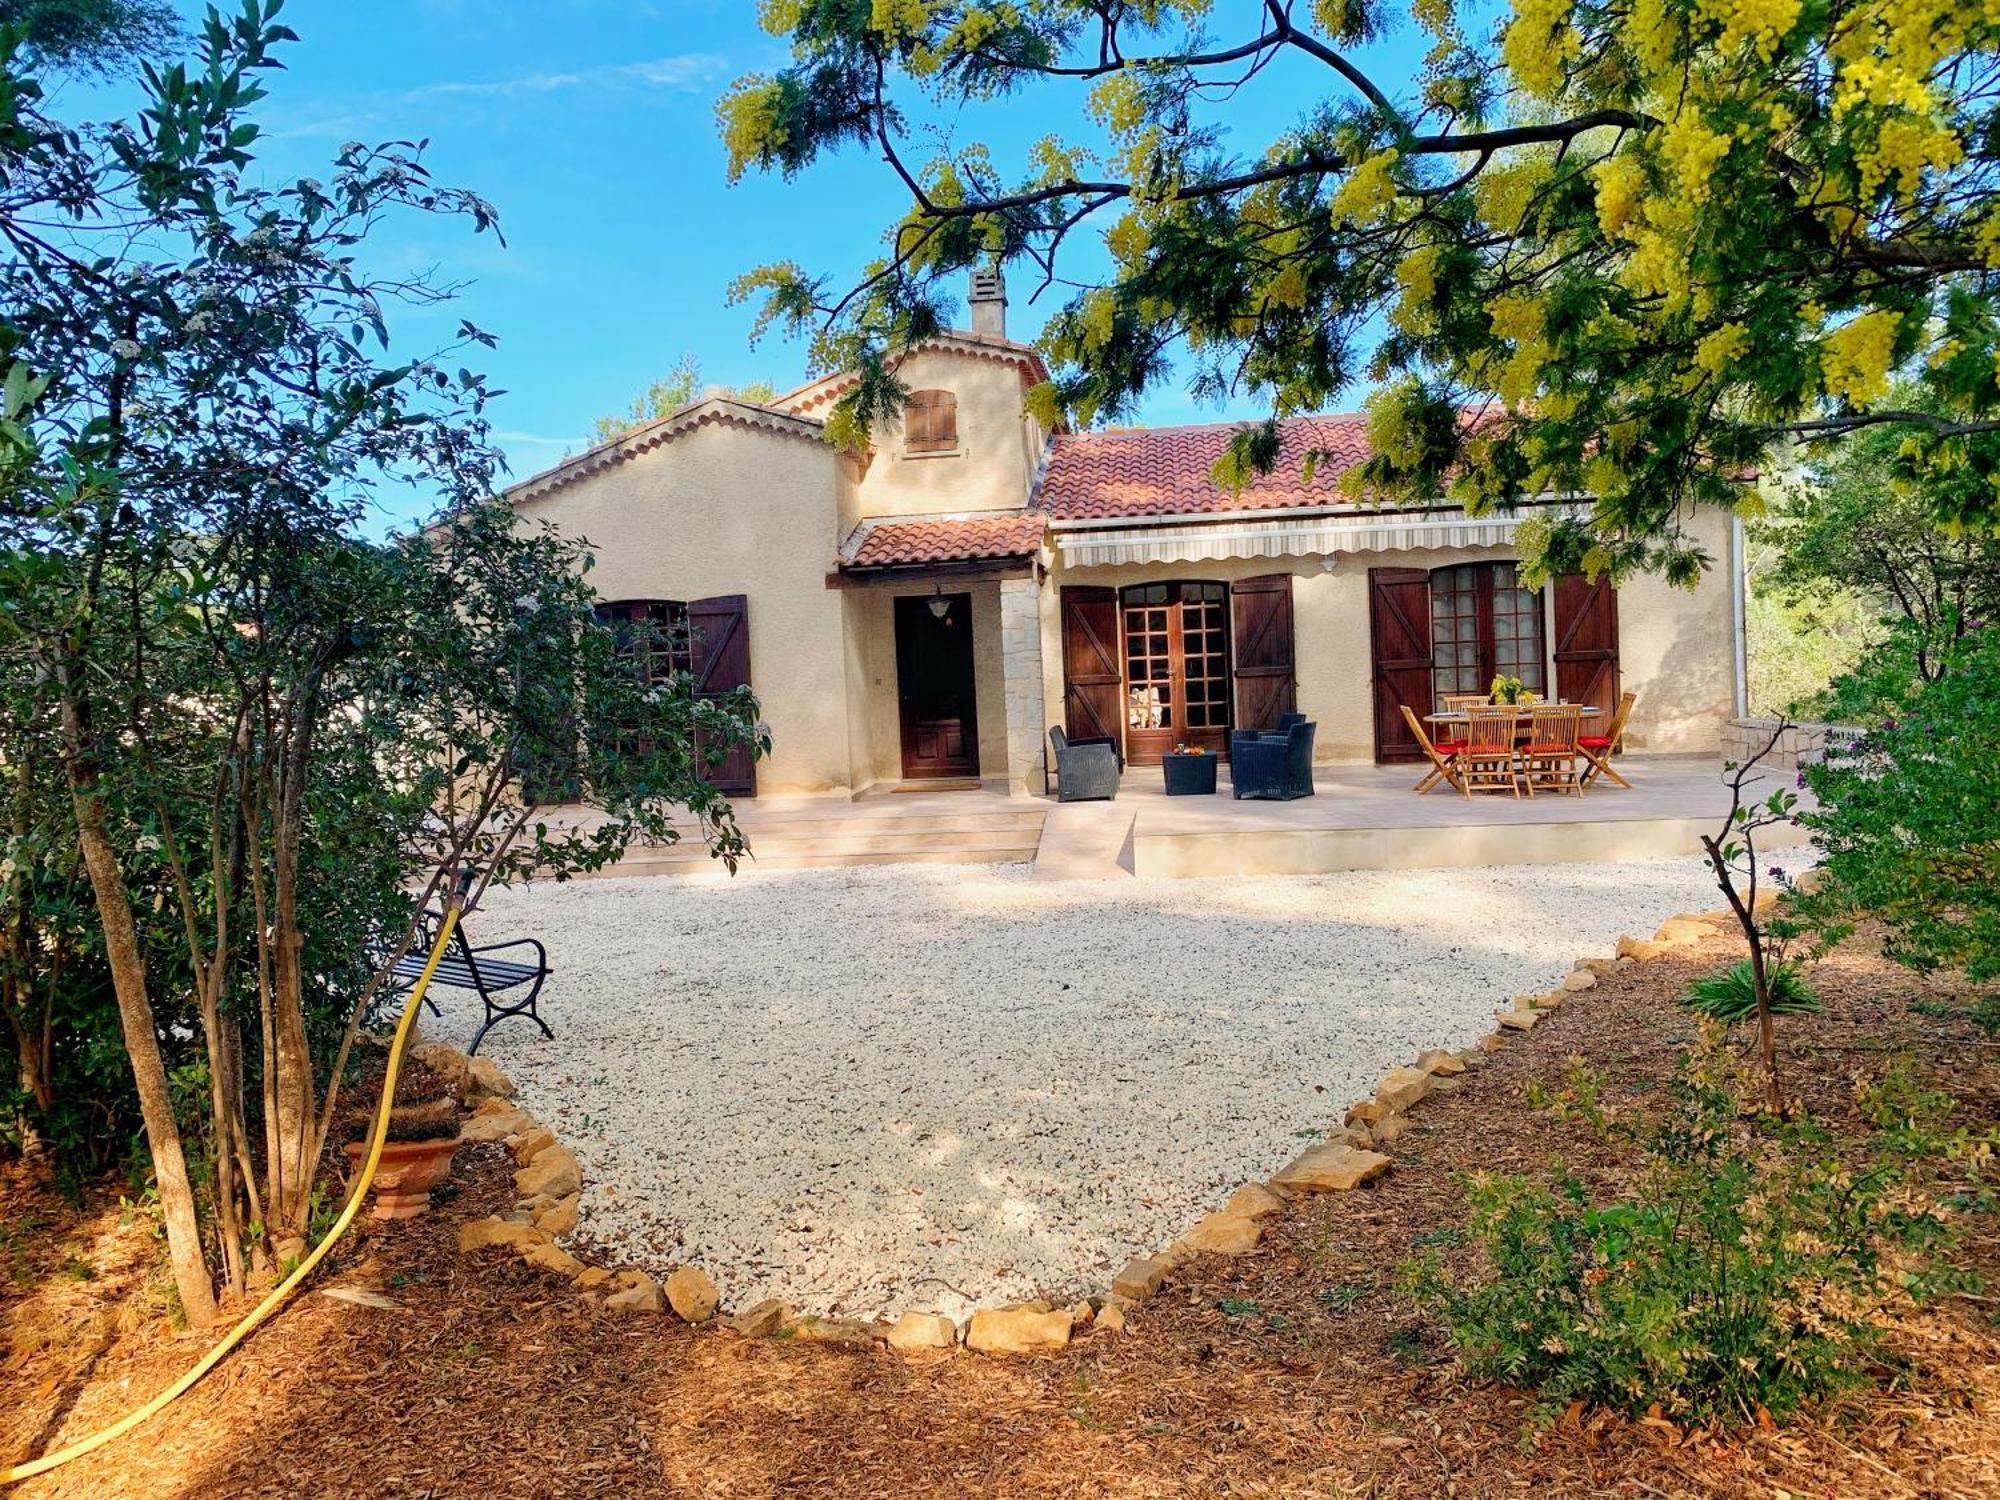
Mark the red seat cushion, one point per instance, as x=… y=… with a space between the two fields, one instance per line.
x=1547 y=747
x=1594 y=741
x=1449 y=747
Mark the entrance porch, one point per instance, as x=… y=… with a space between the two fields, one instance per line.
x=943 y=681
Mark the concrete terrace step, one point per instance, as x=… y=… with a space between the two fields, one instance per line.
x=818 y=832
x=812 y=826
x=789 y=859
x=857 y=840
x=815 y=840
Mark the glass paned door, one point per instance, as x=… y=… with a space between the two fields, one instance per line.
x=1485 y=624
x=1177 y=686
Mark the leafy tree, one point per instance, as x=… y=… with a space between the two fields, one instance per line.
x=1908 y=822
x=93 y=36
x=1798 y=644
x=266 y=738
x=665 y=397
x=1646 y=241
x=1853 y=524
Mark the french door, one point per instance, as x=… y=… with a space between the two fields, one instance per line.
x=1176 y=639
x=1483 y=625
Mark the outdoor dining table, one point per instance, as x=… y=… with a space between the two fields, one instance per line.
x=1522 y=716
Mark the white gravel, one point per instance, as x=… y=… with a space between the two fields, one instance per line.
x=872 y=1089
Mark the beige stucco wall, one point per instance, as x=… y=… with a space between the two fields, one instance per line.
x=726 y=509
x=998 y=444
x=871 y=614
x=1676 y=647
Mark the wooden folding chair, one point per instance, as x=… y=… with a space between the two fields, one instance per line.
x=1549 y=759
x=1598 y=748
x=1441 y=755
x=1458 y=703
x=1486 y=764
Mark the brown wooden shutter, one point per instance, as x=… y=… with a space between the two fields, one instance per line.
x=1093 y=677
x=1266 y=661
x=1586 y=648
x=1399 y=645
x=719 y=631
x=930 y=422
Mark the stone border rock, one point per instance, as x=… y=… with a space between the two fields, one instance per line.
x=550 y=1182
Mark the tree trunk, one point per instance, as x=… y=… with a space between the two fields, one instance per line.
x=28 y=1044
x=297 y=1088
x=1767 y=1024
x=135 y=1011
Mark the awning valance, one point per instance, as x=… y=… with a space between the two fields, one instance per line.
x=1311 y=536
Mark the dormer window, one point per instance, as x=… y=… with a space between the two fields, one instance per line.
x=930 y=422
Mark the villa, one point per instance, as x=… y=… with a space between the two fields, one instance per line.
x=924 y=611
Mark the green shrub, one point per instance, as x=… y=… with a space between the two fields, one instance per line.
x=1908 y=822
x=1747 y=1269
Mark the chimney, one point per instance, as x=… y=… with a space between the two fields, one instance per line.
x=989 y=302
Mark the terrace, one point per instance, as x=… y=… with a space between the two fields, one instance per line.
x=1361 y=817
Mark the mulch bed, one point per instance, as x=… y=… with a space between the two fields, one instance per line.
x=498 y=1380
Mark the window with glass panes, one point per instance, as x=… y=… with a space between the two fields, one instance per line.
x=1484 y=624
x=1205 y=655
x=1177 y=688
x=652 y=633
x=1149 y=657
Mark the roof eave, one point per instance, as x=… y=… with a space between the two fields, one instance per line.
x=660 y=430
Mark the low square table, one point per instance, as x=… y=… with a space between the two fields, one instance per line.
x=1189 y=775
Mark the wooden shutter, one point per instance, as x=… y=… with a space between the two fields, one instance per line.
x=1586 y=651
x=719 y=631
x=930 y=422
x=1266 y=664
x=1399 y=646
x=1093 y=678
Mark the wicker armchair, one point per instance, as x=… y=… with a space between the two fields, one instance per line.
x=1273 y=766
x=1086 y=770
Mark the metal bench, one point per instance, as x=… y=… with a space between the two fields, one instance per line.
x=465 y=967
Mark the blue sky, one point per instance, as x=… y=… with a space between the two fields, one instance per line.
x=590 y=125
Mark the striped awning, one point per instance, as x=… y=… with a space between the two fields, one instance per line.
x=1311 y=536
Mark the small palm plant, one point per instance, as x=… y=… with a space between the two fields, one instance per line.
x=1731 y=995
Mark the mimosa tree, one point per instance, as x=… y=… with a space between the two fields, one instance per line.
x=1654 y=242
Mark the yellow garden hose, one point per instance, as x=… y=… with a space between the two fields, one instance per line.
x=291 y=1283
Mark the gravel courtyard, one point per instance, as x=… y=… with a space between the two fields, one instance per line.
x=873 y=1089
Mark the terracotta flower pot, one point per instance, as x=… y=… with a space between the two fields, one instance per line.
x=406 y=1174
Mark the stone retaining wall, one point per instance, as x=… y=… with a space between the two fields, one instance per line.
x=1799 y=745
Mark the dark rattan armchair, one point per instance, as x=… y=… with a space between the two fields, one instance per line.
x=1277 y=765
x=1086 y=770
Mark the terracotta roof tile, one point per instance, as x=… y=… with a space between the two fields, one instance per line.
x=1014 y=533
x=1164 y=471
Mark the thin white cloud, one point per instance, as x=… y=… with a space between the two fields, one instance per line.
x=681 y=73
x=687 y=70
x=535 y=439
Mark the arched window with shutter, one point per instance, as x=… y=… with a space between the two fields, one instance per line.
x=930 y=422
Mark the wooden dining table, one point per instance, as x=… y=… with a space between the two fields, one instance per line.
x=1522 y=716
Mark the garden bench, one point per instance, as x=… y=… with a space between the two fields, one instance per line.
x=465 y=967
